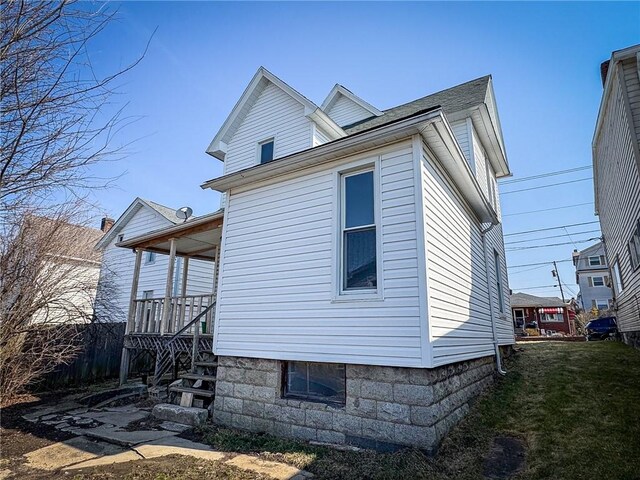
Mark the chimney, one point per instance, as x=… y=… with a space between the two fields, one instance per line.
x=604 y=69
x=575 y=257
x=106 y=224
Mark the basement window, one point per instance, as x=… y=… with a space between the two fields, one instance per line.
x=266 y=149
x=316 y=382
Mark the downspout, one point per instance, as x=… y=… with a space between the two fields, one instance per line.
x=496 y=346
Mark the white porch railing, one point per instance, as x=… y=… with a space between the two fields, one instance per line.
x=149 y=313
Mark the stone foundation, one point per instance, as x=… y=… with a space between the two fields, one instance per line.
x=632 y=339
x=386 y=407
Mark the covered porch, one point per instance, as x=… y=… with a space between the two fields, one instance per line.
x=177 y=329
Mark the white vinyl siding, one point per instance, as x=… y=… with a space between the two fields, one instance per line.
x=277 y=115
x=458 y=303
x=276 y=276
x=118 y=264
x=320 y=137
x=618 y=178
x=461 y=132
x=345 y=111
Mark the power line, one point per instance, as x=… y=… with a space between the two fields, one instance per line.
x=546 y=186
x=552 y=236
x=550 y=245
x=546 y=209
x=549 y=228
x=534 y=288
x=544 y=175
x=540 y=263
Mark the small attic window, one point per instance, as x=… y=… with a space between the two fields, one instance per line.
x=120 y=238
x=265 y=150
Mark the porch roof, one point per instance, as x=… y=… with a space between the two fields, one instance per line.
x=197 y=238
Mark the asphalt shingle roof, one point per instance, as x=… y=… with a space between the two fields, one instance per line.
x=451 y=100
x=526 y=300
x=166 y=212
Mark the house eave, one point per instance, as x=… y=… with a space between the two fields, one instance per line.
x=455 y=163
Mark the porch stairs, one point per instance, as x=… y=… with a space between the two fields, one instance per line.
x=193 y=391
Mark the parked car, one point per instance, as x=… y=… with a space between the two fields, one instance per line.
x=602 y=329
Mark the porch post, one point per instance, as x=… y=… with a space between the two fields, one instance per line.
x=166 y=310
x=131 y=318
x=216 y=270
x=185 y=272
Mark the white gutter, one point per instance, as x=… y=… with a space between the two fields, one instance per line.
x=496 y=346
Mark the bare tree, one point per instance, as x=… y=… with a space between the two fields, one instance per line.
x=53 y=130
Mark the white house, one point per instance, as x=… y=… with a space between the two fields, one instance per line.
x=117 y=268
x=616 y=180
x=363 y=293
x=592 y=275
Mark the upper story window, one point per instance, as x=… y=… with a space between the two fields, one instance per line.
x=150 y=257
x=120 y=238
x=358 y=232
x=597 y=260
x=265 y=150
x=597 y=281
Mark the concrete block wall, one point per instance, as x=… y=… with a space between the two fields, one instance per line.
x=386 y=407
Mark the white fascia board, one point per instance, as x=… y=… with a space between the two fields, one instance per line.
x=218 y=146
x=324 y=121
x=340 y=90
x=456 y=164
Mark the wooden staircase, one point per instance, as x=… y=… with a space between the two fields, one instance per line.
x=197 y=388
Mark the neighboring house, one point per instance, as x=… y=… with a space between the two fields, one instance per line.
x=592 y=275
x=116 y=274
x=68 y=275
x=548 y=315
x=616 y=173
x=363 y=292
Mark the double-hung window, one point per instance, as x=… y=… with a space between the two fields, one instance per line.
x=266 y=150
x=596 y=261
x=617 y=279
x=358 y=232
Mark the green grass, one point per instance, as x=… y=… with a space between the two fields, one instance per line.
x=575 y=405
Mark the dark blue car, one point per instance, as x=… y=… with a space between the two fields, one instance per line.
x=602 y=329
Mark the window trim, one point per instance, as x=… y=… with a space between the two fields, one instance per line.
x=259 y=149
x=284 y=394
x=602 y=302
x=558 y=317
x=618 y=284
x=633 y=248
x=599 y=264
x=593 y=281
x=338 y=292
x=150 y=257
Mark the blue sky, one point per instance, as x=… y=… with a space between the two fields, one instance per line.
x=544 y=58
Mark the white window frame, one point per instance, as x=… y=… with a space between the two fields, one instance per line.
x=618 y=286
x=601 y=277
x=150 y=257
x=557 y=317
x=339 y=293
x=597 y=257
x=605 y=302
x=259 y=149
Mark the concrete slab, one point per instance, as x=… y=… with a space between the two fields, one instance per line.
x=179 y=446
x=62 y=454
x=121 y=419
x=180 y=414
x=174 y=427
x=123 y=457
x=126 y=439
x=279 y=471
x=42 y=411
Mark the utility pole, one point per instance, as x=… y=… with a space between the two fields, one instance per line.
x=557 y=275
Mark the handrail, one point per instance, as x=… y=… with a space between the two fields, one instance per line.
x=190 y=324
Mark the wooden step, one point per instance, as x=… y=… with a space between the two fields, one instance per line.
x=195 y=391
x=206 y=364
x=198 y=376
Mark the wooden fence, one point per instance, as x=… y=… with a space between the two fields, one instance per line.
x=98 y=360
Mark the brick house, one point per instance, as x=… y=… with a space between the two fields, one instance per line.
x=546 y=314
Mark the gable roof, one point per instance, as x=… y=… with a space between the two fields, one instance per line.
x=525 y=300
x=451 y=100
x=593 y=248
x=167 y=213
x=339 y=90
x=218 y=146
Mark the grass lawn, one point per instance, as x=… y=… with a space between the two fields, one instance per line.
x=576 y=406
